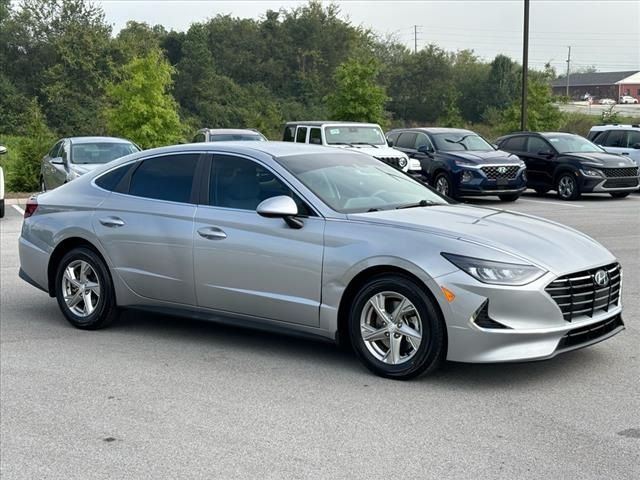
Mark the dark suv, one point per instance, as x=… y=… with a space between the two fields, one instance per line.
x=571 y=165
x=461 y=163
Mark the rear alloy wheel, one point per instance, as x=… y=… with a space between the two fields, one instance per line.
x=395 y=328
x=84 y=290
x=511 y=197
x=442 y=184
x=619 y=194
x=568 y=187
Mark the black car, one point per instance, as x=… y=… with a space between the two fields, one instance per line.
x=571 y=165
x=461 y=163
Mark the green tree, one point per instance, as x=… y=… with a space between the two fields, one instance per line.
x=142 y=109
x=24 y=170
x=542 y=113
x=357 y=96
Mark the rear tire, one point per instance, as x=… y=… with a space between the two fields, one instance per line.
x=619 y=194
x=567 y=187
x=84 y=290
x=509 y=197
x=2 y=208
x=408 y=339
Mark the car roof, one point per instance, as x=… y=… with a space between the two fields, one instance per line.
x=78 y=140
x=432 y=130
x=232 y=131
x=319 y=123
x=615 y=126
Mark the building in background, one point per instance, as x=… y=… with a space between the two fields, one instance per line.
x=599 y=85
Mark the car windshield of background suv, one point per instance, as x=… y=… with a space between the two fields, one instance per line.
x=572 y=144
x=85 y=153
x=449 y=142
x=352 y=135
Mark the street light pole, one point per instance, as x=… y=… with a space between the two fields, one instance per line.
x=525 y=67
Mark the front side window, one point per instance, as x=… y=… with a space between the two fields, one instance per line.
x=423 y=141
x=461 y=141
x=616 y=138
x=536 y=145
x=289 y=132
x=167 y=178
x=566 y=143
x=354 y=135
x=53 y=153
x=243 y=184
x=407 y=140
x=199 y=138
x=351 y=183
x=315 y=136
x=100 y=152
x=301 y=135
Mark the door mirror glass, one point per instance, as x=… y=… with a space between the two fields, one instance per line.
x=57 y=161
x=3 y=149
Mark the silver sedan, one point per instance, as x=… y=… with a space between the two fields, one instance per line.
x=323 y=242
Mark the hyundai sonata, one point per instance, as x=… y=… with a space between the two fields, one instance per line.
x=323 y=242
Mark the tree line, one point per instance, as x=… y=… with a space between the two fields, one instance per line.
x=65 y=72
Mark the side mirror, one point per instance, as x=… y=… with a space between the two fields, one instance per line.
x=3 y=149
x=636 y=146
x=425 y=149
x=390 y=142
x=283 y=207
x=57 y=161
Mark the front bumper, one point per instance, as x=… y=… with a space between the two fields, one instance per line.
x=481 y=185
x=534 y=328
x=609 y=184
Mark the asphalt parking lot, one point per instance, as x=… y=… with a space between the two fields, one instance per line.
x=160 y=397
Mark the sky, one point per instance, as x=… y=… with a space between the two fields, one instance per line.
x=604 y=33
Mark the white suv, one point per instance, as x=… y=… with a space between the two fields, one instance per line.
x=621 y=139
x=627 y=99
x=364 y=137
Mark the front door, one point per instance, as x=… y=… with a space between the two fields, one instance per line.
x=540 y=164
x=250 y=265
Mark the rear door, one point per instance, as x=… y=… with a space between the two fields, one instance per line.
x=251 y=265
x=146 y=226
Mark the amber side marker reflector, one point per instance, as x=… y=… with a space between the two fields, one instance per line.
x=448 y=294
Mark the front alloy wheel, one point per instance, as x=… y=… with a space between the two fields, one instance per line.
x=568 y=187
x=442 y=184
x=396 y=328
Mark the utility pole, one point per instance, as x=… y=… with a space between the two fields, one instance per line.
x=415 y=39
x=525 y=67
x=568 y=65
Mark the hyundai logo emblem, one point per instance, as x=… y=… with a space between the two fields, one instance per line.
x=601 y=278
x=502 y=169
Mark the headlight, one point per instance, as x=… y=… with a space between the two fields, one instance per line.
x=592 y=172
x=497 y=273
x=464 y=163
x=415 y=165
x=402 y=162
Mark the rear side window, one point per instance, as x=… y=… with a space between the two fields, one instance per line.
x=110 y=180
x=407 y=140
x=289 y=132
x=393 y=137
x=301 y=135
x=514 y=144
x=167 y=178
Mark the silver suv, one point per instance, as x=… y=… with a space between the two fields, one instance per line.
x=620 y=139
x=363 y=137
x=228 y=135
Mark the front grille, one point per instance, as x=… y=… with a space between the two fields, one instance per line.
x=578 y=294
x=620 y=172
x=621 y=182
x=393 y=161
x=507 y=171
x=590 y=333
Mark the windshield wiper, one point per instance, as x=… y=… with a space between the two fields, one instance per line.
x=341 y=143
x=364 y=143
x=421 y=203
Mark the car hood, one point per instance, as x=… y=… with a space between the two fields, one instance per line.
x=602 y=159
x=554 y=247
x=82 y=168
x=482 y=157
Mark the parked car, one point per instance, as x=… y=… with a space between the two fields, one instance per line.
x=627 y=99
x=460 y=163
x=3 y=150
x=464 y=283
x=228 y=135
x=607 y=101
x=621 y=139
x=571 y=165
x=363 y=137
x=72 y=157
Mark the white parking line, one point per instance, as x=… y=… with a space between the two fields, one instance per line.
x=18 y=209
x=551 y=203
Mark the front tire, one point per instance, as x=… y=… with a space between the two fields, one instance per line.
x=396 y=329
x=512 y=197
x=619 y=194
x=443 y=184
x=84 y=290
x=567 y=187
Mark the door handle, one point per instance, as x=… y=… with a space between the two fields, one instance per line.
x=112 y=222
x=212 y=233
x=625 y=153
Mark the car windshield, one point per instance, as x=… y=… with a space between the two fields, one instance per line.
x=236 y=137
x=100 y=152
x=461 y=141
x=354 y=135
x=355 y=183
x=572 y=144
